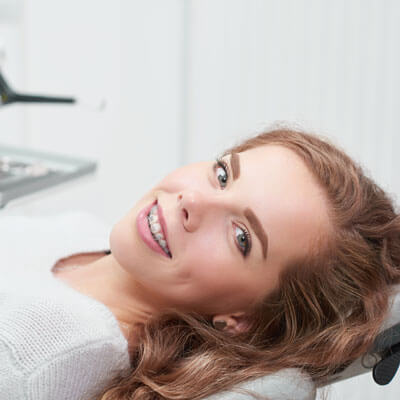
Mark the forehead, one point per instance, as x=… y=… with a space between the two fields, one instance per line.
x=278 y=186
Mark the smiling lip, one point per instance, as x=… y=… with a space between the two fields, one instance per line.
x=144 y=230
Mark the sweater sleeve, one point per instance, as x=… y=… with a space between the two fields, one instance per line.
x=80 y=374
x=60 y=345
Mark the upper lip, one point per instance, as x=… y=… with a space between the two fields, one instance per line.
x=163 y=223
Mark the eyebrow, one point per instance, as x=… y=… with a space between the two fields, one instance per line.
x=248 y=213
x=235 y=165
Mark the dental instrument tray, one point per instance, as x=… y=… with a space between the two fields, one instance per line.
x=26 y=171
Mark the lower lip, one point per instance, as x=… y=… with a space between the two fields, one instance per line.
x=144 y=230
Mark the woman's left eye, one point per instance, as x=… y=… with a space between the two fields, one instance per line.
x=242 y=236
x=221 y=166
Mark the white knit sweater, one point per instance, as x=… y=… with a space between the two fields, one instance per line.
x=55 y=343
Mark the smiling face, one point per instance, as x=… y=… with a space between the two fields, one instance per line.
x=270 y=194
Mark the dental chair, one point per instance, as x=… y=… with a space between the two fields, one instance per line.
x=382 y=361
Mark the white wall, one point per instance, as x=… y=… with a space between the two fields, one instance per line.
x=127 y=52
x=332 y=66
x=184 y=79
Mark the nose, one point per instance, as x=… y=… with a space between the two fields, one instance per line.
x=195 y=207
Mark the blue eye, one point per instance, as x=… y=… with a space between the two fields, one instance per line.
x=220 y=165
x=242 y=235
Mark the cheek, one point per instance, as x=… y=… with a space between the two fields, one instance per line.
x=213 y=270
x=224 y=287
x=208 y=252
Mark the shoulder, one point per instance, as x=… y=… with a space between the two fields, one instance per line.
x=80 y=373
x=40 y=329
x=55 y=347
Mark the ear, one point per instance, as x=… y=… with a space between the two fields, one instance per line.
x=235 y=323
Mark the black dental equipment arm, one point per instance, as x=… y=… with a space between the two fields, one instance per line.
x=389 y=340
x=8 y=96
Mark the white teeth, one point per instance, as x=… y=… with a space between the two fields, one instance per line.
x=156 y=230
x=154 y=227
x=159 y=236
x=153 y=218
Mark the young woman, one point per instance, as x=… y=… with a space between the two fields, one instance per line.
x=281 y=253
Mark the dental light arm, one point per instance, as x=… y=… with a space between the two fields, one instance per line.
x=8 y=96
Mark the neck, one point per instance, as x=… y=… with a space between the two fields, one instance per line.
x=107 y=282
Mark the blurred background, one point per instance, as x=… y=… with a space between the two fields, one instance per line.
x=184 y=79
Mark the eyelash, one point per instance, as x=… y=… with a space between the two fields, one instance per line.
x=221 y=163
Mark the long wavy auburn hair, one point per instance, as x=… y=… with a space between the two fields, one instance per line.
x=326 y=312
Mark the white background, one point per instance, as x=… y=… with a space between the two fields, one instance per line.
x=183 y=79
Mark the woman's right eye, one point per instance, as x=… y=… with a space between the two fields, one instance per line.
x=221 y=166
